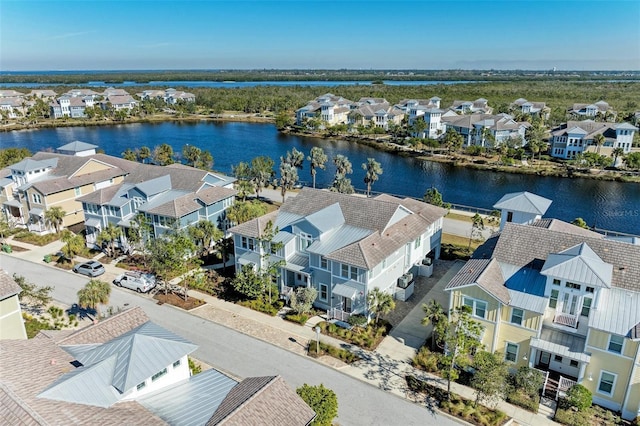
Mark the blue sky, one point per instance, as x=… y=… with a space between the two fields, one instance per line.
x=365 y=34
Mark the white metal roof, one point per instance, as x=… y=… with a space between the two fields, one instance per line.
x=523 y=202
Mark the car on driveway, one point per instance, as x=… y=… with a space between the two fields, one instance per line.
x=137 y=281
x=91 y=268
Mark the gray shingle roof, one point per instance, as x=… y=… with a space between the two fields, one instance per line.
x=486 y=273
x=523 y=202
x=8 y=286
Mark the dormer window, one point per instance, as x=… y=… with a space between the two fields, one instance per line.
x=305 y=241
x=590 y=289
x=556 y=281
x=572 y=285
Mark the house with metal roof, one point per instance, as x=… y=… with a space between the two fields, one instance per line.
x=575 y=137
x=343 y=245
x=128 y=370
x=11 y=322
x=600 y=110
x=533 y=109
x=558 y=298
x=427 y=110
x=479 y=106
x=486 y=130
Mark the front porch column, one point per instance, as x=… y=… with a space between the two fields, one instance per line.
x=533 y=353
x=583 y=367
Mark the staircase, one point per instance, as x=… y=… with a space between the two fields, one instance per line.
x=551 y=389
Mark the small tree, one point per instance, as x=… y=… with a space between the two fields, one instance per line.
x=288 y=177
x=490 y=377
x=54 y=217
x=461 y=340
x=248 y=282
x=373 y=171
x=302 y=299
x=321 y=400
x=317 y=159
x=580 y=222
x=96 y=292
x=435 y=315
x=477 y=226
x=579 y=397
x=528 y=380
x=434 y=197
x=380 y=302
x=74 y=244
x=109 y=236
x=32 y=295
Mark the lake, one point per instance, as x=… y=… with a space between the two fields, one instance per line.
x=607 y=205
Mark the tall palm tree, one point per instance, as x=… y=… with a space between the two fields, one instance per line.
x=144 y=153
x=373 y=170
x=74 y=244
x=94 y=293
x=434 y=315
x=110 y=235
x=599 y=141
x=317 y=159
x=288 y=177
x=54 y=217
x=617 y=152
x=343 y=165
x=380 y=302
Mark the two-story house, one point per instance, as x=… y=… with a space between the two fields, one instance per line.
x=479 y=106
x=575 y=137
x=486 y=130
x=174 y=196
x=343 y=245
x=374 y=112
x=427 y=110
x=329 y=108
x=600 y=109
x=561 y=299
x=129 y=370
x=534 y=109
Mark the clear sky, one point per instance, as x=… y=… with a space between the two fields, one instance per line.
x=365 y=34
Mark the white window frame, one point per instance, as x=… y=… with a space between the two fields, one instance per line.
x=507 y=353
x=324 y=263
x=613 y=383
x=417 y=242
x=158 y=375
x=612 y=336
x=584 y=301
x=36 y=198
x=77 y=191
x=474 y=306
x=511 y=320
x=326 y=292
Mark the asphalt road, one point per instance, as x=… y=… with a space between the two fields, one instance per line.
x=242 y=356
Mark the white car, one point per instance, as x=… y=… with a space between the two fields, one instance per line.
x=137 y=281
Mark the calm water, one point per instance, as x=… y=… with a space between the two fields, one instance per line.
x=608 y=205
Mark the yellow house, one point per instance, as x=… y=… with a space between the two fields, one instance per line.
x=11 y=322
x=48 y=180
x=563 y=300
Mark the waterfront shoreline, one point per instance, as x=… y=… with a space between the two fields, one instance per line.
x=381 y=143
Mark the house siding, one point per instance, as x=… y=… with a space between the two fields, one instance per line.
x=491 y=316
x=518 y=335
x=11 y=323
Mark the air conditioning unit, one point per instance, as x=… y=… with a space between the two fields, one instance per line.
x=403 y=281
x=427 y=261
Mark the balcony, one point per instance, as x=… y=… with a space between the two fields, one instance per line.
x=339 y=314
x=566 y=319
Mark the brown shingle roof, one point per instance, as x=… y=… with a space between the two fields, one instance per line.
x=8 y=286
x=213 y=194
x=486 y=273
x=262 y=401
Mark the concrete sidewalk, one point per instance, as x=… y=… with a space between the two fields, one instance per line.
x=385 y=368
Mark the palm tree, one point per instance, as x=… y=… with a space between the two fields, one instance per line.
x=144 y=153
x=599 y=141
x=380 y=302
x=205 y=233
x=74 y=244
x=110 y=235
x=434 y=315
x=54 y=217
x=374 y=169
x=617 y=152
x=317 y=159
x=288 y=177
x=94 y=293
x=295 y=158
x=343 y=165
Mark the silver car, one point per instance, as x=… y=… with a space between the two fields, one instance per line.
x=91 y=268
x=137 y=281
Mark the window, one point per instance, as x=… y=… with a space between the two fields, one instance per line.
x=417 y=243
x=606 y=383
x=556 y=281
x=586 y=306
x=615 y=343
x=243 y=242
x=141 y=385
x=516 y=316
x=77 y=191
x=158 y=374
x=478 y=307
x=324 y=263
x=553 y=299
x=176 y=364
x=324 y=292
x=572 y=285
x=91 y=208
x=511 y=352
x=557 y=358
x=573 y=363
x=589 y=289
x=344 y=270
x=354 y=274
x=305 y=241
x=37 y=198
x=509 y=216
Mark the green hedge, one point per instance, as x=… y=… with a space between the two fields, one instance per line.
x=326 y=349
x=321 y=400
x=297 y=318
x=523 y=400
x=367 y=338
x=262 y=306
x=426 y=360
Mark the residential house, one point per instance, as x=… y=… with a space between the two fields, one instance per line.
x=479 y=106
x=575 y=137
x=344 y=246
x=559 y=298
x=534 y=109
x=129 y=370
x=10 y=93
x=11 y=322
x=485 y=129
x=374 y=112
x=48 y=180
x=112 y=91
x=120 y=102
x=70 y=106
x=42 y=93
x=329 y=108
x=600 y=109
x=427 y=110
x=174 y=196
x=14 y=107
x=169 y=96
x=521 y=207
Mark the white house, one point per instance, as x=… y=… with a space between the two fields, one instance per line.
x=600 y=109
x=574 y=137
x=344 y=245
x=479 y=106
x=534 y=109
x=427 y=110
x=521 y=207
x=485 y=129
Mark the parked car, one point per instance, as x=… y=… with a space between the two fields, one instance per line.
x=91 y=268
x=137 y=281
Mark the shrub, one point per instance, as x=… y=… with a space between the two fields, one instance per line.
x=358 y=320
x=298 y=318
x=321 y=400
x=572 y=417
x=195 y=368
x=579 y=397
x=261 y=306
x=426 y=360
x=521 y=399
x=326 y=349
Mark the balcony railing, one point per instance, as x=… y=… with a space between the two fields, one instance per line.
x=566 y=319
x=564 y=385
x=339 y=314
